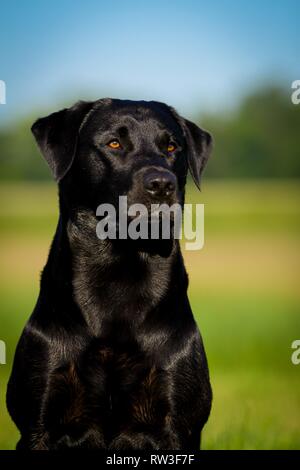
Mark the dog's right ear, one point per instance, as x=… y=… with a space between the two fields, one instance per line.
x=57 y=135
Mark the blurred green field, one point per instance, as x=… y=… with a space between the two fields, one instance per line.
x=244 y=289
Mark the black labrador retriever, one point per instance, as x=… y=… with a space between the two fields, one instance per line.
x=111 y=357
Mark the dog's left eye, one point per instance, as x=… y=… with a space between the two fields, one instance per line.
x=114 y=144
x=172 y=147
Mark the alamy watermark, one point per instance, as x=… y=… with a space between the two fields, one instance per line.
x=295 y=358
x=160 y=221
x=2 y=92
x=295 y=96
x=2 y=352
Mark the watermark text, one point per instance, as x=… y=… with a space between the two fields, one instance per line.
x=295 y=358
x=295 y=96
x=2 y=352
x=2 y=92
x=159 y=221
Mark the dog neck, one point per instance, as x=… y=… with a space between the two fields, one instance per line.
x=113 y=279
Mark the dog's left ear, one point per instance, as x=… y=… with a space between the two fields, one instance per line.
x=57 y=135
x=199 y=146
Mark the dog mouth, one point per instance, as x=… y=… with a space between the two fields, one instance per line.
x=153 y=216
x=138 y=214
x=155 y=221
x=161 y=222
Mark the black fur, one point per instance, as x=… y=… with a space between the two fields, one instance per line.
x=111 y=357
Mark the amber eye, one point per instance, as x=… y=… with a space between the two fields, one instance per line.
x=171 y=147
x=114 y=144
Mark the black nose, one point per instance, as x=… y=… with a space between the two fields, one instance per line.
x=159 y=183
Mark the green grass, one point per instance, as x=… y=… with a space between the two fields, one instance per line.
x=243 y=289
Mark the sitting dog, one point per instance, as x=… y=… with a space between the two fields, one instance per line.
x=111 y=357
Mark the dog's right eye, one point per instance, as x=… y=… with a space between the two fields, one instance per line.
x=114 y=144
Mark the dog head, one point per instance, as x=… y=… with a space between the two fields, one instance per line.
x=100 y=150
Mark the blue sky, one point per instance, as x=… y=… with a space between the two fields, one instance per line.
x=195 y=55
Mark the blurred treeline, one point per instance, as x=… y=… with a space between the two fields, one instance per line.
x=260 y=138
